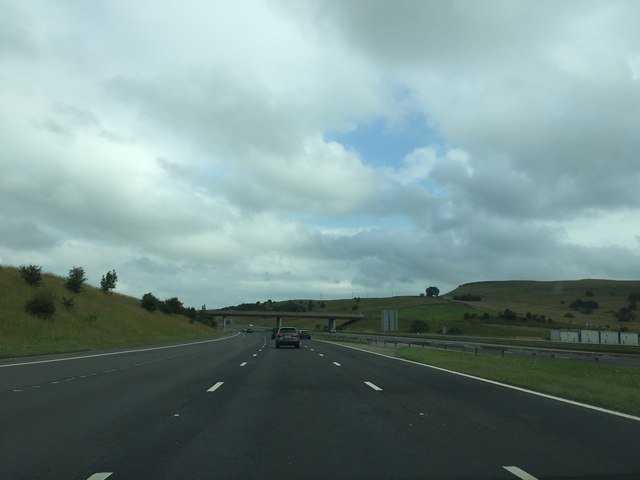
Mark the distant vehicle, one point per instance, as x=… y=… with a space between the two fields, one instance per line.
x=305 y=334
x=274 y=332
x=249 y=330
x=288 y=336
x=332 y=330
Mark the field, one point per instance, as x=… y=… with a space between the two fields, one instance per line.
x=97 y=320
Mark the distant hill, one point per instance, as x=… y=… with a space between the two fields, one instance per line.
x=513 y=309
x=563 y=301
x=96 y=320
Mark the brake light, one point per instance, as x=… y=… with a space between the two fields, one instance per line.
x=296 y=334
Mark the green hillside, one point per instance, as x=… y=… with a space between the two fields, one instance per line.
x=553 y=300
x=97 y=320
x=537 y=307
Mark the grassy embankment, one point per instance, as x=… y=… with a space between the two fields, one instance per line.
x=97 y=320
x=615 y=388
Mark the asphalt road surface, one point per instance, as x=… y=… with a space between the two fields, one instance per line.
x=238 y=408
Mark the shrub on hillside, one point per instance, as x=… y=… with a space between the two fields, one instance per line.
x=583 y=306
x=172 y=305
x=68 y=303
x=32 y=274
x=149 y=302
x=75 y=279
x=418 y=326
x=42 y=304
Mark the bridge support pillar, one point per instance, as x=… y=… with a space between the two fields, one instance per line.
x=278 y=322
x=331 y=322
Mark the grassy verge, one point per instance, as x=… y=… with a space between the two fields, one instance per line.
x=338 y=338
x=615 y=388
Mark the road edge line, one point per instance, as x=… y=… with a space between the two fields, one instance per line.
x=121 y=352
x=500 y=384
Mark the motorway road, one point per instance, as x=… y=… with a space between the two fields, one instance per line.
x=238 y=408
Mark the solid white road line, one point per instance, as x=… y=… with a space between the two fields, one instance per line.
x=115 y=353
x=518 y=472
x=215 y=387
x=337 y=364
x=243 y=364
x=100 y=476
x=375 y=387
x=493 y=382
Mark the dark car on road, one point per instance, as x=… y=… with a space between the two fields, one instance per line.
x=288 y=336
x=305 y=334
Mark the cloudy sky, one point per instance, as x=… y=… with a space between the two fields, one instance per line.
x=226 y=152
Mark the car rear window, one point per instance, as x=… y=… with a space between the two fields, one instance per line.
x=288 y=329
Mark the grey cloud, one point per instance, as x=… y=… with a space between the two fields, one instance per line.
x=66 y=120
x=25 y=235
x=229 y=115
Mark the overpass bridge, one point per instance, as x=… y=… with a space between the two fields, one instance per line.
x=278 y=316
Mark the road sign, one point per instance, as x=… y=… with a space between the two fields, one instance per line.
x=389 y=319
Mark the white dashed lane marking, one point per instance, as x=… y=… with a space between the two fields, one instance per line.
x=100 y=476
x=215 y=387
x=518 y=472
x=375 y=387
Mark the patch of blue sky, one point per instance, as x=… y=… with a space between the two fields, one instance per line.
x=386 y=142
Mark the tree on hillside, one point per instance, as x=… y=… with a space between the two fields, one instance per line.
x=108 y=281
x=173 y=305
x=32 y=274
x=75 y=279
x=149 y=302
x=433 y=292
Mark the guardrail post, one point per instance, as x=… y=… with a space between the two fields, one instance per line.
x=502 y=352
x=476 y=352
x=597 y=361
